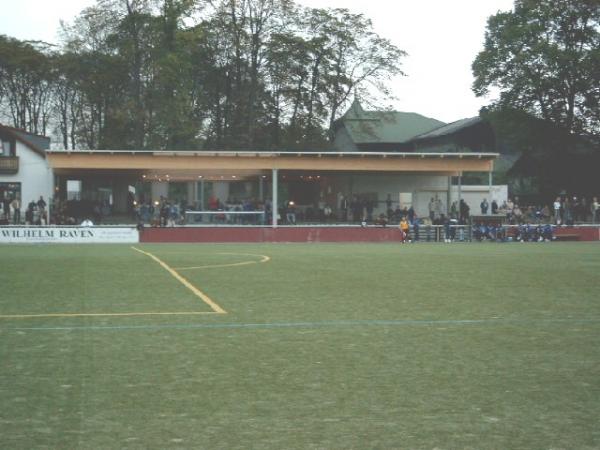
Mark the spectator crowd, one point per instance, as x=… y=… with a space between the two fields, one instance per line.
x=565 y=210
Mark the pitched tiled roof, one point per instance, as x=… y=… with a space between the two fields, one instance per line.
x=449 y=128
x=367 y=127
x=39 y=144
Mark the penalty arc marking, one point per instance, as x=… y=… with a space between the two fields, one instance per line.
x=263 y=259
x=205 y=298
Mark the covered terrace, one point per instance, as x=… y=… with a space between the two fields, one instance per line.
x=304 y=178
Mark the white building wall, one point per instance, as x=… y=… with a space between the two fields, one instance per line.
x=422 y=187
x=159 y=189
x=221 y=190
x=35 y=176
x=474 y=195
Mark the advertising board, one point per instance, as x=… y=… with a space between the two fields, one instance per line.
x=71 y=235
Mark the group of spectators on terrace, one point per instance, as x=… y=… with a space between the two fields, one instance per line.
x=168 y=213
x=568 y=210
x=36 y=212
x=74 y=211
x=161 y=213
x=565 y=210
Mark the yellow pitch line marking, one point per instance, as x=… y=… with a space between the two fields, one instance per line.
x=216 y=308
x=264 y=259
x=27 y=316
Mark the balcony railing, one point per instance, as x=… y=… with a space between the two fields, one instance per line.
x=9 y=165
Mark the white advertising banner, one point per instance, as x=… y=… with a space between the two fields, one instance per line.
x=69 y=235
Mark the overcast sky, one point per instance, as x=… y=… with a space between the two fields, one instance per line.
x=441 y=37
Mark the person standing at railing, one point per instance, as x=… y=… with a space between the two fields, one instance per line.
x=557 y=207
x=431 y=208
x=438 y=208
x=454 y=210
x=415 y=223
x=164 y=214
x=173 y=214
x=16 y=206
x=510 y=206
x=290 y=213
x=388 y=206
x=484 y=207
x=6 y=207
x=343 y=205
x=464 y=211
x=327 y=211
x=29 y=219
x=595 y=210
x=494 y=207
x=411 y=214
x=567 y=212
x=447 y=232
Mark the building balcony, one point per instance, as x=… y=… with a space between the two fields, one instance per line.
x=9 y=165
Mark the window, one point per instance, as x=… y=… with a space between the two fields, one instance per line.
x=10 y=190
x=5 y=145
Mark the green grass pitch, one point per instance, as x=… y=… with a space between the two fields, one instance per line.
x=322 y=346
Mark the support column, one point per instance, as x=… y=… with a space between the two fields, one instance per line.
x=261 y=189
x=274 y=201
x=449 y=197
x=490 y=175
x=202 y=194
x=51 y=197
x=191 y=192
x=459 y=192
x=120 y=192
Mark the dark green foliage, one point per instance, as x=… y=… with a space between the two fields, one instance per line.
x=545 y=156
x=26 y=77
x=544 y=57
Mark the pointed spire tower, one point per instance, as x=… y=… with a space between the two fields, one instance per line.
x=355 y=111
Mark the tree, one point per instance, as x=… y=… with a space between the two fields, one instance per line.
x=544 y=58
x=26 y=81
x=90 y=67
x=192 y=74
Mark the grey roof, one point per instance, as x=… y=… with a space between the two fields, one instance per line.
x=449 y=128
x=41 y=142
x=36 y=142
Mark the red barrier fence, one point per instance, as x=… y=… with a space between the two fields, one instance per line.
x=313 y=234
x=581 y=233
x=267 y=234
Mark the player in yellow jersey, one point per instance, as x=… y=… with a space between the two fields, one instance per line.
x=404 y=227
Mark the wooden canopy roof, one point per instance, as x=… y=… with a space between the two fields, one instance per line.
x=194 y=163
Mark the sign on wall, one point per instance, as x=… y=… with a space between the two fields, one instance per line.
x=71 y=235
